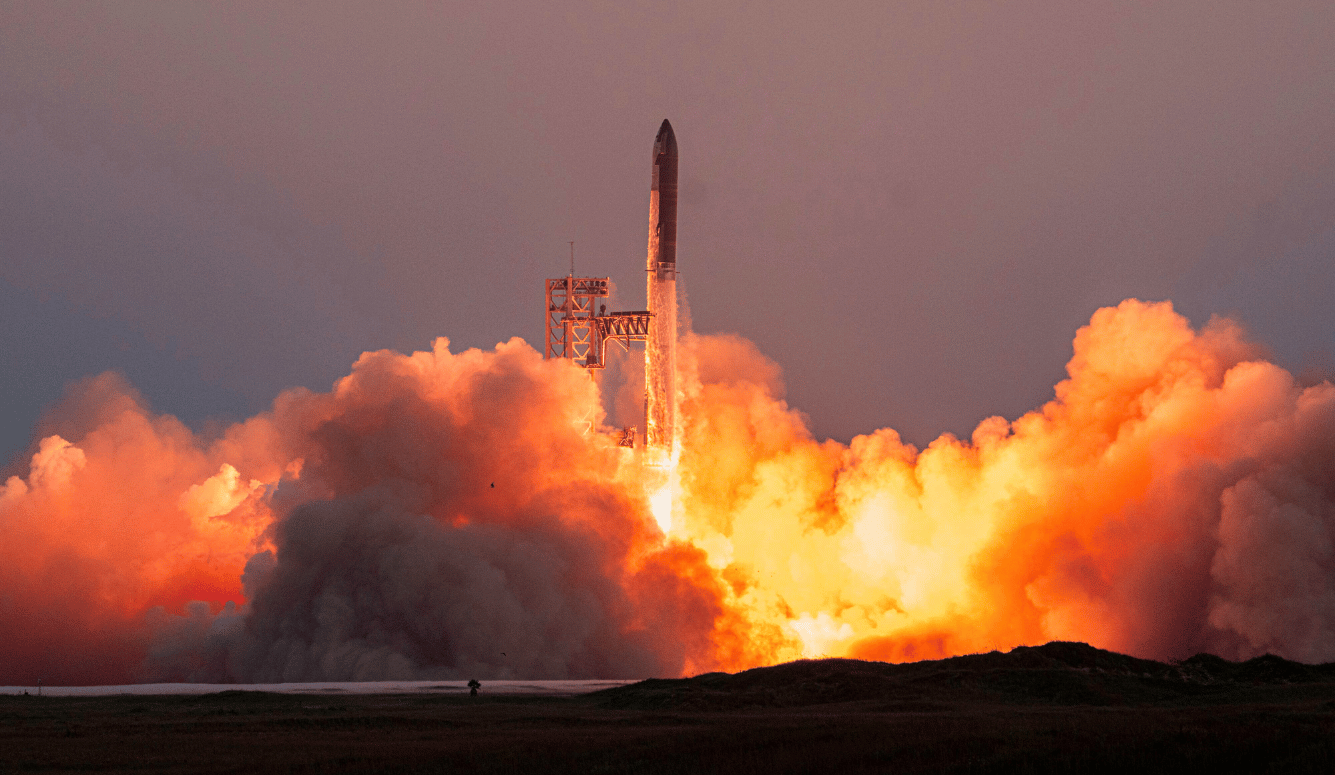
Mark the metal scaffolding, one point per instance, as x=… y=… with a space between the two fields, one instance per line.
x=620 y=327
x=579 y=332
x=570 y=315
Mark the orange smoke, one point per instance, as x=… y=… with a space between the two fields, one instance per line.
x=1177 y=496
x=436 y=515
x=136 y=514
x=444 y=515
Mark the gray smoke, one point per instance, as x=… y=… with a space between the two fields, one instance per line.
x=450 y=521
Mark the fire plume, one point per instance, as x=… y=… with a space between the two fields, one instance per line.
x=448 y=514
x=1178 y=495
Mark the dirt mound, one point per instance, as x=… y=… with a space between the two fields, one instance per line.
x=1267 y=669
x=1057 y=673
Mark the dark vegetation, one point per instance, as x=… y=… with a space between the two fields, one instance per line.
x=1063 y=707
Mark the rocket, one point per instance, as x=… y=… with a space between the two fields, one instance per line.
x=660 y=351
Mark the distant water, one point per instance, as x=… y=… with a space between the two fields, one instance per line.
x=544 y=688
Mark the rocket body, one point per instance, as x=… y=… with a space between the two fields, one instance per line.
x=660 y=352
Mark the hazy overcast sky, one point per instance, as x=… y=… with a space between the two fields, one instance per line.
x=910 y=206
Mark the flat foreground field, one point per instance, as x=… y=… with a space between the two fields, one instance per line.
x=826 y=716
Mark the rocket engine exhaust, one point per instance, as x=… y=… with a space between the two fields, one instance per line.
x=660 y=352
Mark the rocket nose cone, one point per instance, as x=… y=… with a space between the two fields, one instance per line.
x=666 y=141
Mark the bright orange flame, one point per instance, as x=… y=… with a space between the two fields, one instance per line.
x=660 y=505
x=1118 y=514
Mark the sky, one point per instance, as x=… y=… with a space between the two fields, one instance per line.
x=910 y=207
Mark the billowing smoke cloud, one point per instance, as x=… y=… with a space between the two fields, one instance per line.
x=445 y=515
x=435 y=516
x=453 y=517
x=138 y=514
x=1177 y=496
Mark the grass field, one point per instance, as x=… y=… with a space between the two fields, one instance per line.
x=999 y=713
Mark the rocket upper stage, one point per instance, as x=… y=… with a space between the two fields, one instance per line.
x=664 y=184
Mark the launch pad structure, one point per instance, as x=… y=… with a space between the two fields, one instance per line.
x=578 y=331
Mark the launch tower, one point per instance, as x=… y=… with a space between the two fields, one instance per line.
x=578 y=332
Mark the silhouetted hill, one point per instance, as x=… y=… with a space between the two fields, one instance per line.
x=1058 y=673
x=1063 y=707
